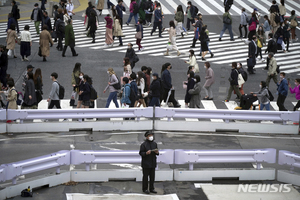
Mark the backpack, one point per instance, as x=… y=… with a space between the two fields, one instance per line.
x=271 y=97
x=136 y=8
x=245 y=75
x=273 y=46
x=20 y=97
x=277 y=69
x=26 y=193
x=149 y=6
x=226 y=19
x=118 y=85
x=18 y=13
x=133 y=96
x=196 y=10
x=277 y=18
x=94 y=94
x=61 y=91
x=61 y=26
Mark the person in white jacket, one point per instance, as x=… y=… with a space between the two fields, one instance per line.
x=193 y=61
x=70 y=8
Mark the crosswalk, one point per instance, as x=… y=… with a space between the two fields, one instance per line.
x=216 y=7
x=225 y=51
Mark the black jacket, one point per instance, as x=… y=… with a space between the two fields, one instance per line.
x=252 y=49
x=155 y=88
x=3 y=61
x=130 y=54
x=272 y=46
x=86 y=95
x=148 y=161
x=234 y=77
x=39 y=15
x=166 y=79
x=14 y=11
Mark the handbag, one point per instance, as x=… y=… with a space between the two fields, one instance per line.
x=169 y=46
x=259 y=44
x=252 y=27
x=9 y=53
x=279 y=40
x=40 y=52
x=241 y=80
x=293 y=23
x=138 y=35
x=251 y=62
x=39 y=97
x=18 y=41
x=135 y=58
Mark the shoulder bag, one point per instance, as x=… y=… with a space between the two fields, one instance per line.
x=138 y=35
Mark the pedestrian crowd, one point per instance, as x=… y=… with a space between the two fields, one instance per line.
x=135 y=88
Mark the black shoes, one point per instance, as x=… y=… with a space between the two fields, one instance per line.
x=153 y=191
x=146 y=192
x=192 y=46
x=44 y=59
x=211 y=55
x=220 y=39
x=75 y=54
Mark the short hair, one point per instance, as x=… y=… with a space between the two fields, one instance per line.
x=189 y=2
x=234 y=64
x=12 y=27
x=10 y=83
x=172 y=24
x=274 y=1
x=133 y=76
x=119 y=1
x=69 y=21
x=143 y=68
x=282 y=73
x=243 y=9
x=86 y=77
x=36 y=4
x=45 y=27
x=271 y=54
x=207 y=64
x=26 y=27
x=198 y=79
x=55 y=75
x=45 y=12
x=126 y=80
x=271 y=35
x=293 y=12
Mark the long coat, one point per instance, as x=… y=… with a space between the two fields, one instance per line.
x=69 y=36
x=117 y=28
x=29 y=90
x=45 y=39
x=12 y=98
x=195 y=96
x=210 y=77
x=100 y=5
x=11 y=39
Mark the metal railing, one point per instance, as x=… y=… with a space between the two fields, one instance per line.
x=99 y=157
x=225 y=156
x=227 y=114
x=289 y=158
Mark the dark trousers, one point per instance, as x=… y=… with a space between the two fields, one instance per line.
x=297 y=106
x=72 y=49
x=3 y=75
x=280 y=102
x=17 y=25
x=148 y=172
x=59 y=45
x=258 y=52
x=138 y=42
x=194 y=41
x=287 y=42
x=55 y=103
x=154 y=102
x=121 y=22
x=240 y=29
x=120 y=39
x=155 y=25
x=93 y=35
x=188 y=23
x=148 y=17
x=171 y=98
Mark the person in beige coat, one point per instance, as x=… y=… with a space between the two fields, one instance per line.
x=12 y=95
x=100 y=6
x=209 y=81
x=11 y=40
x=273 y=24
x=118 y=30
x=45 y=39
x=172 y=39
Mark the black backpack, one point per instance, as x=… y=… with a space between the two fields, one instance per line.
x=133 y=96
x=271 y=97
x=136 y=8
x=244 y=75
x=277 y=18
x=196 y=10
x=118 y=85
x=226 y=19
x=61 y=26
x=277 y=69
x=94 y=94
x=273 y=46
x=61 y=91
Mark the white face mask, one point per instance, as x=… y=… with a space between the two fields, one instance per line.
x=81 y=77
x=204 y=67
x=260 y=86
x=153 y=77
x=296 y=83
x=158 y=8
x=281 y=77
x=151 y=138
x=50 y=77
x=107 y=72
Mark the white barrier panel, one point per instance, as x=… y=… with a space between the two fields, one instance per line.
x=2 y=173
x=98 y=157
x=2 y=114
x=79 y=113
x=227 y=114
x=293 y=160
x=54 y=160
x=225 y=156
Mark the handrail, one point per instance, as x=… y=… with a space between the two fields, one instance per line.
x=289 y=158
x=225 y=156
x=227 y=115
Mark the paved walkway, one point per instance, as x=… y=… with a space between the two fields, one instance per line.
x=26 y=7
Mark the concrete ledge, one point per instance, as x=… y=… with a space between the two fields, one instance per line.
x=47 y=179
x=210 y=173
x=286 y=176
x=118 y=174
x=2 y=127
x=66 y=126
x=205 y=126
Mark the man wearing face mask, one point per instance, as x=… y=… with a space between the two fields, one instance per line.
x=282 y=92
x=148 y=152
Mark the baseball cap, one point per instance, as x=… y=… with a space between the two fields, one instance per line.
x=30 y=66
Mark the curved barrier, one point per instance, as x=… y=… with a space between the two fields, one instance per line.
x=292 y=160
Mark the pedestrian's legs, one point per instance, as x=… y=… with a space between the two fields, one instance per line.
x=135 y=18
x=267 y=106
x=237 y=91
x=64 y=50
x=51 y=105
x=120 y=40
x=188 y=24
x=121 y=22
x=293 y=31
x=206 y=91
x=17 y=25
x=60 y=43
x=210 y=92
x=152 y=178
x=246 y=31
x=240 y=29
x=130 y=17
x=207 y=43
x=110 y=97
x=37 y=27
x=115 y=99
x=280 y=102
x=287 y=43
x=154 y=27
x=146 y=173
x=229 y=92
x=57 y=104
x=159 y=28
x=297 y=106
x=268 y=80
x=73 y=51
x=275 y=79
x=230 y=31
x=223 y=30
x=138 y=42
